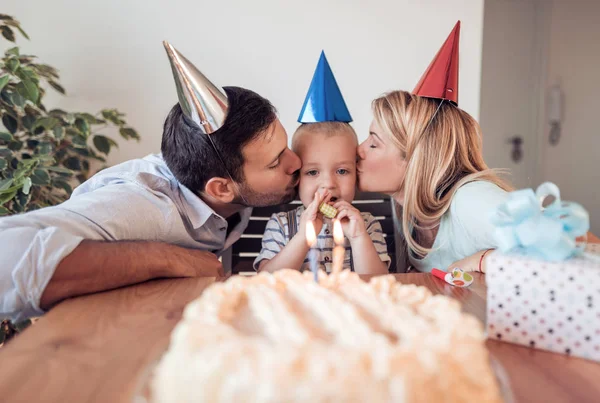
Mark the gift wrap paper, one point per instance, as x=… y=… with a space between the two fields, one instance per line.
x=553 y=306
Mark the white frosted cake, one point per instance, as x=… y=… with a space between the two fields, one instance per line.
x=283 y=338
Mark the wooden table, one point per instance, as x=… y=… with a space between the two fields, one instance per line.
x=97 y=347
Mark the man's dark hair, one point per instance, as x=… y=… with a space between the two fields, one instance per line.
x=191 y=157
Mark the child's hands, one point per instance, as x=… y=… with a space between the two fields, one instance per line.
x=353 y=224
x=311 y=213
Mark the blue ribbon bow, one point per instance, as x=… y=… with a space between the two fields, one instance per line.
x=549 y=233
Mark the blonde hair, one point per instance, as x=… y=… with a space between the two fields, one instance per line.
x=443 y=151
x=328 y=129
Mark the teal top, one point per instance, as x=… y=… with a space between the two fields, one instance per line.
x=465 y=228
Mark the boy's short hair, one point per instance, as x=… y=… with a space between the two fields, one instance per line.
x=328 y=129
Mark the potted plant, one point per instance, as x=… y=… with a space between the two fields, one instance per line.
x=43 y=152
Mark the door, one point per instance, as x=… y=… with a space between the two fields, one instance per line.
x=510 y=88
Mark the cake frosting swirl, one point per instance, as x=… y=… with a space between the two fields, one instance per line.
x=283 y=338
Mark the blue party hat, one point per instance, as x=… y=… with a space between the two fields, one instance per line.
x=324 y=101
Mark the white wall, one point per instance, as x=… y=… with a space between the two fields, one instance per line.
x=574 y=58
x=110 y=53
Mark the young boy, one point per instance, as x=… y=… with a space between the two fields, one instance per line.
x=328 y=175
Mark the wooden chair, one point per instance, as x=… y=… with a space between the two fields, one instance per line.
x=244 y=251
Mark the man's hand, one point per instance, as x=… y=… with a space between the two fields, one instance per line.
x=192 y=263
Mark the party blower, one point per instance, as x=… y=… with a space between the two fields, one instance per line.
x=457 y=277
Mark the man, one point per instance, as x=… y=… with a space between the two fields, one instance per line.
x=164 y=215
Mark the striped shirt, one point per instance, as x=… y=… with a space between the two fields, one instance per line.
x=277 y=236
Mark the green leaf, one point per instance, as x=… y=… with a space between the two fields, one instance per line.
x=46 y=71
x=79 y=141
x=63 y=185
x=26 y=186
x=29 y=122
x=7 y=33
x=17 y=99
x=4 y=80
x=83 y=151
x=26 y=59
x=2 y=164
x=19 y=174
x=82 y=126
x=113 y=116
x=31 y=111
x=6 y=136
x=102 y=143
x=16 y=204
x=12 y=51
x=27 y=163
x=32 y=143
x=8 y=108
x=29 y=90
x=128 y=133
x=14 y=23
x=5 y=153
x=13 y=64
x=10 y=123
x=57 y=113
x=15 y=145
x=23 y=199
x=46 y=122
x=5 y=184
x=4 y=197
x=42 y=158
x=3 y=211
x=40 y=177
x=59 y=170
x=45 y=148
x=59 y=132
x=72 y=163
x=88 y=117
x=27 y=74
x=22 y=32
x=57 y=86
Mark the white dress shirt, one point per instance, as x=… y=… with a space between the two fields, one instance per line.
x=136 y=200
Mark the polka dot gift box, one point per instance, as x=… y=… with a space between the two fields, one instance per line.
x=552 y=306
x=543 y=287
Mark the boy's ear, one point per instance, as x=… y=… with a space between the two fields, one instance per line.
x=220 y=189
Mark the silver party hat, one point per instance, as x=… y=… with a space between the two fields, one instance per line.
x=201 y=101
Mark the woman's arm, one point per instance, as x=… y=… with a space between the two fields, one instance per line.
x=475 y=262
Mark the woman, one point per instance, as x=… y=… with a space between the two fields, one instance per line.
x=427 y=154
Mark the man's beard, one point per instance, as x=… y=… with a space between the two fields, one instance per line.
x=250 y=198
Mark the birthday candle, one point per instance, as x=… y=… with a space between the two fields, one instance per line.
x=339 y=251
x=311 y=239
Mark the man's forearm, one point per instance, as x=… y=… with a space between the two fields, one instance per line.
x=97 y=266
